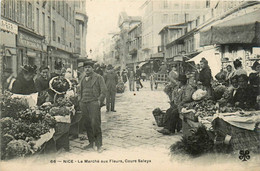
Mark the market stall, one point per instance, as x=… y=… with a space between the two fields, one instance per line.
x=29 y=129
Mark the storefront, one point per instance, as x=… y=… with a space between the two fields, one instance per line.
x=30 y=49
x=57 y=55
x=8 y=33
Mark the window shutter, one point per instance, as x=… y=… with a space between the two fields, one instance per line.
x=3 y=7
x=33 y=16
x=23 y=12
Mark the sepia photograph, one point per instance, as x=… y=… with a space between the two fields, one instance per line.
x=135 y=85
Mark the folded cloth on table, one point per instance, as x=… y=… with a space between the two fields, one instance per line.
x=242 y=121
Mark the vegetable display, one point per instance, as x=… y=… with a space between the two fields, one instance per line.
x=17 y=148
x=206 y=108
x=10 y=106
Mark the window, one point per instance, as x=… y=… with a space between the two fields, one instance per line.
x=18 y=12
x=22 y=13
x=43 y=23
x=49 y=6
x=176 y=5
x=67 y=11
x=49 y=27
x=63 y=9
x=165 y=4
x=37 y=20
x=187 y=17
x=58 y=39
x=70 y=44
x=3 y=7
x=62 y=35
x=69 y=15
x=59 y=7
x=30 y=15
x=77 y=27
x=53 y=4
x=187 y=6
x=207 y=3
x=53 y=31
x=25 y=13
x=176 y=18
x=165 y=18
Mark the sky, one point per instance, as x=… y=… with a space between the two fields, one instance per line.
x=103 y=17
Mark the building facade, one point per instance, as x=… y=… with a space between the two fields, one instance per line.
x=158 y=14
x=46 y=32
x=199 y=37
x=125 y=24
x=135 y=46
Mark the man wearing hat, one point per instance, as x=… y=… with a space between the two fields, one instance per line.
x=111 y=81
x=24 y=84
x=181 y=94
x=92 y=92
x=97 y=69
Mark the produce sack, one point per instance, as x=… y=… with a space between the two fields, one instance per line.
x=30 y=99
x=199 y=94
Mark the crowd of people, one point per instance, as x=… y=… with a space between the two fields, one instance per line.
x=241 y=89
x=95 y=83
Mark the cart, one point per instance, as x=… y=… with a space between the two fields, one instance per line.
x=160 y=79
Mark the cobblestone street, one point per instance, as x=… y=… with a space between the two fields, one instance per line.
x=133 y=124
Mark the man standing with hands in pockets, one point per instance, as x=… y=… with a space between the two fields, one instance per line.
x=111 y=80
x=92 y=92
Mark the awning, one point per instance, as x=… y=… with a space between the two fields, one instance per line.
x=213 y=60
x=242 y=29
x=142 y=63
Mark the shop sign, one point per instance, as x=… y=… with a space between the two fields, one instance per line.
x=29 y=41
x=10 y=27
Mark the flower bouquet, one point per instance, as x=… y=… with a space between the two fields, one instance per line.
x=60 y=85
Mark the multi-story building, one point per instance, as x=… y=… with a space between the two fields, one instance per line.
x=44 y=32
x=80 y=28
x=135 y=45
x=158 y=14
x=125 y=23
x=197 y=36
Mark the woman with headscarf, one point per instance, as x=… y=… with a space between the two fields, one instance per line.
x=24 y=83
x=230 y=74
x=205 y=76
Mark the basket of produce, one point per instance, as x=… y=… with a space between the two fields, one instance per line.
x=120 y=87
x=60 y=85
x=159 y=117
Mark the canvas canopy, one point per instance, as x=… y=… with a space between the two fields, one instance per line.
x=242 y=29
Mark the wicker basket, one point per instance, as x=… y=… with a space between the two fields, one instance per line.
x=241 y=139
x=159 y=118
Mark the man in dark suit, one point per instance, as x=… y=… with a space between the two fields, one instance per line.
x=111 y=81
x=42 y=84
x=92 y=92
